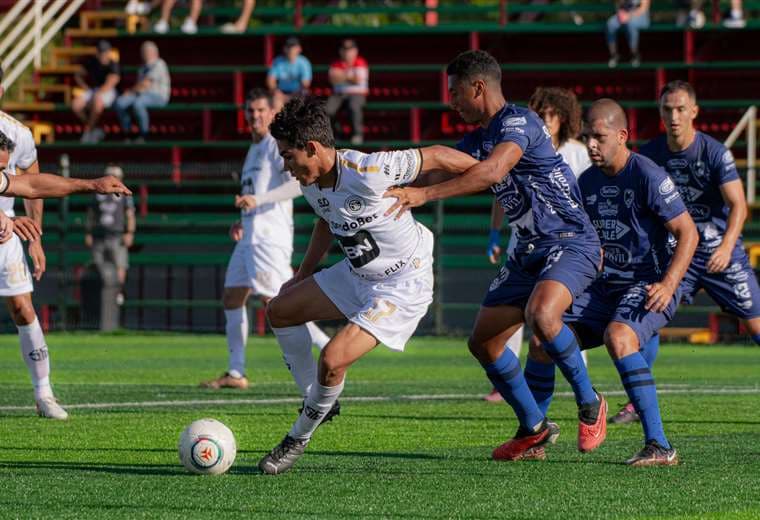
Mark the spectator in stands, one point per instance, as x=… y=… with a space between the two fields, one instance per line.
x=734 y=19
x=152 y=89
x=101 y=75
x=290 y=73
x=690 y=13
x=349 y=77
x=632 y=16
x=190 y=25
x=110 y=231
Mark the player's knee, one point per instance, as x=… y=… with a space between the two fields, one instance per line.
x=280 y=314
x=536 y=351
x=22 y=312
x=543 y=321
x=232 y=300
x=332 y=369
x=620 y=341
x=475 y=346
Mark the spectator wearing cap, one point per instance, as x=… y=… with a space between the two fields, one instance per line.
x=98 y=80
x=349 y=77
x=152 y=89
x=110 y=230
x=290 y=73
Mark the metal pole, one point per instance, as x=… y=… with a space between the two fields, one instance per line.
x=751 y=153
x=63 y=288
x=37 y=34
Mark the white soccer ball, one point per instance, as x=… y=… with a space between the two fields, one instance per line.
x=207 y=447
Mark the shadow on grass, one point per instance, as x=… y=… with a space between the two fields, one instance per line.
x=96 y=467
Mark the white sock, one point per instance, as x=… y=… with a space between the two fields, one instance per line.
x=295 y=343
x=237 y=336
x=35 y=354
x=317 y=404
x=318 y=337
x=515 y=342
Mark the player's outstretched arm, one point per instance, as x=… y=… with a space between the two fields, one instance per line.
x=685 y=232
x=46 y=186
x=480 y=176
x=439 y=158
x=733 y=195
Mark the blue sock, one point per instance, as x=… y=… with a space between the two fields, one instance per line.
x=641 y=390
x=756 y=339
x=650 y=350
x=507 y=378
x=540 y=379
x=564 y=350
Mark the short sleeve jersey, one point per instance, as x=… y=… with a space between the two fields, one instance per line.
x=24 y=154
x=289 y=75
x=629 y=211
x=540 y=195
x=699 y=171
x=263 y=171
x=110 y=212
x=377 y=247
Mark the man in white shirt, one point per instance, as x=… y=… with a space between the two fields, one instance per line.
x=261 y=260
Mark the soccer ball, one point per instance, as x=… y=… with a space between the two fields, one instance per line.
x=207 y=447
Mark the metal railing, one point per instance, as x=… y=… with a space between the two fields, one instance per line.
x=748 y=122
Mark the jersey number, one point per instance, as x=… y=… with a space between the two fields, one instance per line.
x=360 y=248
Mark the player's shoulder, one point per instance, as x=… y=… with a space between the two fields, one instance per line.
x=713 y=149
x=646 y=166
x=8 y=123
x=517 y=116
x=654 y=147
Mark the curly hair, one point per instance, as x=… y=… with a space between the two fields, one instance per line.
x=6 y=143
x=564 y=103
x=475 y=64
x=301 y=120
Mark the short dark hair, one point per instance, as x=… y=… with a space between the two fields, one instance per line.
x=259 y=93
x=566 y=106
x=675 y=86
x=475 y=64
x=303 y=119
x=6 y=143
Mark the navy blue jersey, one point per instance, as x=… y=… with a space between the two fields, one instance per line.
x=629 y=211
x=699 y=171
x=540 y=195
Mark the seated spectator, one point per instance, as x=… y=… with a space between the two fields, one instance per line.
x=690 y=13
x=290 y=73
x=101 y=75
x=152 y=89
x=349 y=77
x=734 y=19
x=632 y=16
x=190 y=25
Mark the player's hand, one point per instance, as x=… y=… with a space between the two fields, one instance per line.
x=38 y=258
x=494 y=251
x=6 y=228
x=110 y=185
x=297 y=278
x=719 y=260
x=236 y=231
x=128 y=239
x=406 y=198
x=245 y=202
x=26 y=228
x=659 y=295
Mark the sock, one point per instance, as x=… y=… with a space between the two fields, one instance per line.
x=563 y=349
x=295 y=343
x=318 y=337
x=756 y=339
x=540 y=379
x=515 y=342
x=317 y=404
x=35 y=354
x=237 y=336
x=641 y=390
x=650 y=350
x=508 y=379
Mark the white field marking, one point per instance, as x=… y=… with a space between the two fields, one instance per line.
x=727 y=390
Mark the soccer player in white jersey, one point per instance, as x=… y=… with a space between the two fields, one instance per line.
x=15 y=279
x=260 y=262
x=561 y=112
x=384 y=285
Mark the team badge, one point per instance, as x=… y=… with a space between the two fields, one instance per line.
x=354 y=205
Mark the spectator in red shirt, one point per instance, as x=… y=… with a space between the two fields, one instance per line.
x=349 y=77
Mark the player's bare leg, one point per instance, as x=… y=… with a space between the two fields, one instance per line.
x=623 y=345
x=544 y=312
x=753 y=326
x=351 y=343
x=493 y=327
x=35 y=354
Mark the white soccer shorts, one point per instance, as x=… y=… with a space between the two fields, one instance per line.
x=263 y=269
x=15 y=277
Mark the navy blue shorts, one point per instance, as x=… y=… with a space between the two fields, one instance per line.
x=604 y=302
x=565 y=262
x=735 y=290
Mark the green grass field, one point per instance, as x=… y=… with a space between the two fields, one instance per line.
x=413 y=441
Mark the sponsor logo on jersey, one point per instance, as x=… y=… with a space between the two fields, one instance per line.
x=395 y=268
x=513 y=130
x=515 y=121
x=354 y=204
x=676 y=164
x=559 y=179
x=591 y=200
x=699 y=170
x=607 y=209
x=323 y=204
x=360 y=248
x=609 y=191
x=354 y=224
x=673 y=196
x=666 y=186
x=617 y=254
x=728 y=159
x=699 y=211
x=629 y=196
